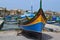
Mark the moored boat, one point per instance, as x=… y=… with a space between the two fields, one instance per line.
x=1 y=22
x=37 y=23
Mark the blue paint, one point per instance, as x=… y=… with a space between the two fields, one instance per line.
x=28 y=14
x=58 y=18
x=54 y=18
x=8 y=17
x=34 y=27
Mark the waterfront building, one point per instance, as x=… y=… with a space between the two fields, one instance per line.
x=2 y=11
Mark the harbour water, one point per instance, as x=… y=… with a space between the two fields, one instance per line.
x=10 y=27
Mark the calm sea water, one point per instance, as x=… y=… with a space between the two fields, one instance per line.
x=10 y=27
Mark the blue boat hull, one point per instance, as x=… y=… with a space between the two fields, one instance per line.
x=34 y=27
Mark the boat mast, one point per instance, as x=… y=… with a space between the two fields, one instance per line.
x=31 y=9
x=40 y=4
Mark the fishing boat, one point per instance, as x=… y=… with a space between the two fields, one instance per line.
x=52 y=20
x=36 y=24
x=10 y=20
x=58 y=19
x=1 y=22
x=28 y=14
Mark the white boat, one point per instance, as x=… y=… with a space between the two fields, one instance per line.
x=1 y=22
x=51 y=22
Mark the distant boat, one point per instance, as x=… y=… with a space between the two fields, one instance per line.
x=8 y=17
x=54 y=18
x=1 y=22
x=51 y=22
x=10 y=20
x=58 y=19
x=28 y=14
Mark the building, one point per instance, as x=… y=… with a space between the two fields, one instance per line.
x=2 y=11
x=51 y=13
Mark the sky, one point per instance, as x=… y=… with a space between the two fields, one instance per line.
x=53 y=5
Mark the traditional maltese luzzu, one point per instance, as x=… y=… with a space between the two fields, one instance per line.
x=37 y=23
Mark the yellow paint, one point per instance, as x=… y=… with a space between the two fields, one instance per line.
x=29 y=18
x=39 y=19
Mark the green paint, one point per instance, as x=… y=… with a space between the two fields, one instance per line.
x=40 y=3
